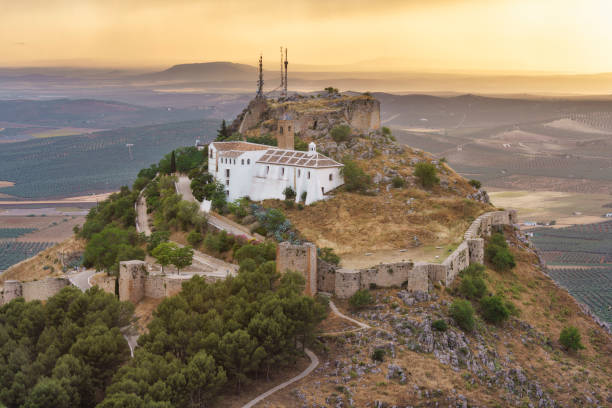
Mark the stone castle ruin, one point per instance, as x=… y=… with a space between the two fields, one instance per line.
x=414 y=276
x=309 y=118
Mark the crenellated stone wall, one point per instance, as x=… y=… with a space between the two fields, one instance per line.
x=418 y=276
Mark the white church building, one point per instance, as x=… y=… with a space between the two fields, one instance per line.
x=264 y=172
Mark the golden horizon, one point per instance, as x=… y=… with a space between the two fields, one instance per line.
x=463 y=36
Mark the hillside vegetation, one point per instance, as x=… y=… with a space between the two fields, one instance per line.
x=417 y=354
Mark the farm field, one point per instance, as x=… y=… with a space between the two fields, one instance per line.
x=93 y=163
x=579 y=258
x=23 y=236
x=544 y=206
x=12 y=252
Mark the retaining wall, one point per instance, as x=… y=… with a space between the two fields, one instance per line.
x=418 y=276
x=106 y=283
x=33 y=290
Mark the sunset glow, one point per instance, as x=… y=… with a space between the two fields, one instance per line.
x=440 y=35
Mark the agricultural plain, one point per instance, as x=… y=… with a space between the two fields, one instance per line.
x=579 y=258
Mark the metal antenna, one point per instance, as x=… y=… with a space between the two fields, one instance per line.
x=281 y=72
x=260 y=81
x=285 y=81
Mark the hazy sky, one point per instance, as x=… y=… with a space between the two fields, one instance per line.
x=438 y=35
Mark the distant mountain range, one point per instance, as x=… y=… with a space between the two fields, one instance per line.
x=206 y=71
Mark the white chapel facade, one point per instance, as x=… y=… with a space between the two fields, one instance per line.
x=264 y=172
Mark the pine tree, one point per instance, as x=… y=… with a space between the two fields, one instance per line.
x=172 y=163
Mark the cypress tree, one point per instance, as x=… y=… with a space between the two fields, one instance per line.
x=222 y=133
x=172 y=163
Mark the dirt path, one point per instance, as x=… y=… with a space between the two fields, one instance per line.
x=183 y=187
x=142 y=218
x=339 y=314
x=314 y=362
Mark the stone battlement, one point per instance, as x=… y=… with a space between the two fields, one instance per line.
x=413 y=276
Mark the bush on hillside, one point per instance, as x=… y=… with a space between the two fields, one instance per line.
x=156 y=238
x=439 y=325
x=195 y=239
x=498 y=253
x=426 y=174
x=361 y=299
x=398 y=182
x=462 y=312
x=570 y=338
x=379 y=355
x=476 y=184
x=341 y=133
x=219 y=241
x=355 y=179
x=472 y=287
x=328 y=255
x=494 y=309
x=474 y=269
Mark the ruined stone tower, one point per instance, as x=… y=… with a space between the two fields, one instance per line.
x=285 y=133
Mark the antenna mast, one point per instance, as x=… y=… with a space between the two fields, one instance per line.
x=260 y=81
x=285 y=81
x=282 y=84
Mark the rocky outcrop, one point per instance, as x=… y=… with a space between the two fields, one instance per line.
x=310 y=118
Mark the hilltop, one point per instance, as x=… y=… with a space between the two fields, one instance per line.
x=393 y=211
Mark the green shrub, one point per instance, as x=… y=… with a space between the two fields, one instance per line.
x=379 y=355
x=360 y=299
x=355 y=179
x=503 y=260
x=439 y=325
x=398 y=182
x=195 y=238
x=219 y=241
x=461 y=310
x=426 y=173
x=498 y=254
x=472 y=287
x=474 y=269
x=494 y=309
x=476 y=184
x=341 y=133
x=328 y=255
x=303 y=196
x=570 y=338
x=289 y=193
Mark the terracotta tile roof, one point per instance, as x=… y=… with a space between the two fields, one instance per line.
x=231 y=153
x=297 y=158
x=240 y=146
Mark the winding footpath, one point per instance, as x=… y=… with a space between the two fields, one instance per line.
x=314 y=360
